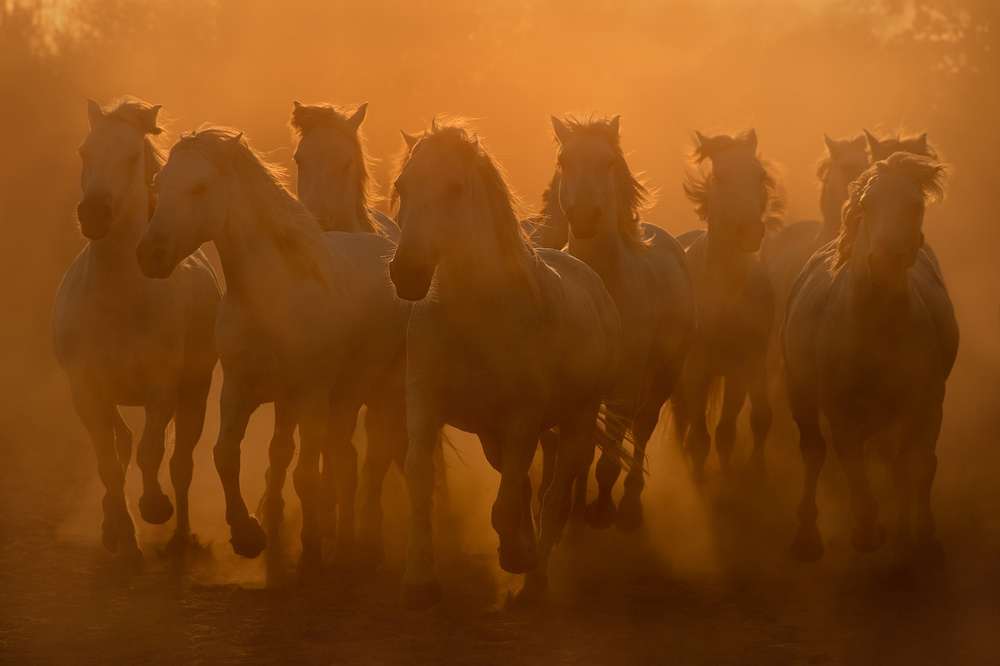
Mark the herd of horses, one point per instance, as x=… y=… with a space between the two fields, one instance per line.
x=568 y=331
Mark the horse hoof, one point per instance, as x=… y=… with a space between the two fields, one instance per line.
x=155 y=509
x=108 y=537
x=518 y=560
x=808 y=545
x=629 y=514
x=868 y=540
x=929 y=556
x=248 y=538
x=420 y=596
x=369 y=554
x=601 y=515
x=130 y=560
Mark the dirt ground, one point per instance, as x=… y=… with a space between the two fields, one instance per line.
x=709 y=578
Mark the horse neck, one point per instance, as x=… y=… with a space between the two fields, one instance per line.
x=724 y=261
x=478 y=271
x=112 y=265
x=830 y=202
x=603 y=252
x=251 y=259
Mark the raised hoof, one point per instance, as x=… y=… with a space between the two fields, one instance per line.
x=868 y=540
x=108 y=537
x=421 y=595
x=130 y=560
x=155 y=509
x=629 y=514
x=601 y=515
x=929 y=556
x=518 y=560
x=369 y=554
x=248 y=538
x=808 y=545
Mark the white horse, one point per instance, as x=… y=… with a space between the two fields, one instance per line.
x=124 y=339
x=510 y=341
x=309 y=322
x=646 y=273
x=333 y=169
x=869 y=339
x=734 y=297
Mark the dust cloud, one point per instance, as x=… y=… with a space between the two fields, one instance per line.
x=709 y=578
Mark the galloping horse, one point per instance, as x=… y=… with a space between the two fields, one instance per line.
x=734 y=298
x=509 y=342
x=308 y=321
x=647 y=275
x=333 y=169
x=124 y=339
x=870 y=338
x=786 y=252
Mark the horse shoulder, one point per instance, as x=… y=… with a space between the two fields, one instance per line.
x=929 y=288
x=809 y=301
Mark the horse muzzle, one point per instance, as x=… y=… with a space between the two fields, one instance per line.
x=412 y=281
x=749 y=236
x=154 y=259
x=584 y=223
x=95 y=214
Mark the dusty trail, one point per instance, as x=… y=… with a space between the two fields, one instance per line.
x=708 y=580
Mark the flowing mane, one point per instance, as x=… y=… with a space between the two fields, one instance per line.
x=294 y=229
x=504 y=206
x=696 y=185
x=633 y=196
x=926 y=174
x=141 y=116
x=307 y=117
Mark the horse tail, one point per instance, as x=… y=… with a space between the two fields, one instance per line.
x=612 y=433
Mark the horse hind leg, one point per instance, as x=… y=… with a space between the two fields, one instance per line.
x=123 y=439
x=247 y=537
x=548 y=442
x=340 y=459
x=118 y=530
x=808 y=544
x=385 y=423
x=602 y=512
x=154 y=505
x=189 y=421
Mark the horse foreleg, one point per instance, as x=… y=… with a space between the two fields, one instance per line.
x=280 y=452
x=511 y=517
x=922 y=437
x=236 y=406
x=313 y=408
x=761 y=417
x=698 y=441
x=118 y=531
x=189 y=421
x=339 y=452
x=385 y=423
x=630 y=508
x=575 y=452
x=123 y=438
x=154 y=505
x=733 y=396
x=548 y=442
x=808 y=545
x=421 y=588
x=868 y=536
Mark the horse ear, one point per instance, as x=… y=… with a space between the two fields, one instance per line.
x=752 y=139
x=236 y=139
x=615 y=125
x=922 y=143
x=562 y=132
x=873 y=143
x=475 y=140
x=831 y=145
x=151 y=119
x=434 y=124
x=700 y=138
x=410 y=139
x=359 y=116
x=296 y=104
x=94 y=112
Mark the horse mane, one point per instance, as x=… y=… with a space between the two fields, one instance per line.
x=550 y=198
x=142 y=116
x=696 y=185
x=925 y=173
x=633 y=196
x=293 y=227
x=307 y=117
x=506 y=209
